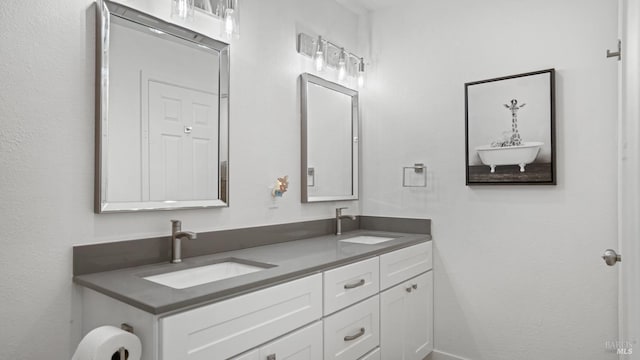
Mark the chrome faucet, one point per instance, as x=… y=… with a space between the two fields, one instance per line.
x=339 y=218
x=176 y=236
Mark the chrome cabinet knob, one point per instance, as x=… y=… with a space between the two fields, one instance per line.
x=611 y=257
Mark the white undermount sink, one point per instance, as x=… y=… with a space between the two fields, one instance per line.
x=367 y=239
x=182 y=279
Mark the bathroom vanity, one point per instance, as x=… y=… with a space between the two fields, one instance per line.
x=363 y=295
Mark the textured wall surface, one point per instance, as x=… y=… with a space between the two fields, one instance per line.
x=517 y=269
x=46 y=152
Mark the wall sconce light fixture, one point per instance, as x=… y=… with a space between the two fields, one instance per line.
x=227 y=11
x=326 y=54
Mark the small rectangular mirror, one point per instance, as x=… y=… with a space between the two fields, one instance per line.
x=330 y=120
x=162 y=114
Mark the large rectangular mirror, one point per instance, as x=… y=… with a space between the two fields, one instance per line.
x=162 y=114
x=330 y=122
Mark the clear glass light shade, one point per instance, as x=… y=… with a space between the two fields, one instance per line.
x=182 y=9
x=342 y=65
x=342 y=71
x=228 y=22
x=319 y=61
x=361 y=73
x=318 y=58
x=360 y=79
x=229 y=14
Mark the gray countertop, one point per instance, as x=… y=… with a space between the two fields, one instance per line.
x=292 y=260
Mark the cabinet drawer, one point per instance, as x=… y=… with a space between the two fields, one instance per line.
x=349 y=284
x=352 y=332
x=374 y=355
x=400 y=265
x=304 y=344
x=227 y=328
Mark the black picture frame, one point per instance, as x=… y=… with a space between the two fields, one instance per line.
x=510 y=130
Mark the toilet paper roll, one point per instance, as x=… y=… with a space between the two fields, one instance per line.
x=103 y=342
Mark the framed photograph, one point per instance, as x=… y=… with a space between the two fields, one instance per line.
x=510 y=130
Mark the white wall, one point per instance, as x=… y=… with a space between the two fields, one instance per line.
x=47 y=146
x=517 y=269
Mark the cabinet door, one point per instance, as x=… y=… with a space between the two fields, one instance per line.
x=227 y=328
x=419 y=340
x=304 y=344
x=406 y=316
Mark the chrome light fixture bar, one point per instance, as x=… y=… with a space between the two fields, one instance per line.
x=326 y=54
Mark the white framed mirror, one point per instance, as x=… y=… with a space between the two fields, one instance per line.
x=329 y=139
x=162 y=114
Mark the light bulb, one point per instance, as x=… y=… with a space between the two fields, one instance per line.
x=361 y=73
x=360 y=80
x=319 y=55
x=342 y=65
x=228 y=21
x=342 y=71
x=229 y=16
x=319 y=62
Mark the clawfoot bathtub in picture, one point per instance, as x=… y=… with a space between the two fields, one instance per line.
x=509 y=155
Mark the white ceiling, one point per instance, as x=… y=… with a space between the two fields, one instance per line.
x=361 y=6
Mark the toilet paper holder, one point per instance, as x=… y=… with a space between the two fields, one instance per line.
x=122 y=352
x=126 y=327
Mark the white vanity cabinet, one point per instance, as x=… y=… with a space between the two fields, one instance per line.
x=227 y=328
x=304 y=344
x=406 y=310
x=380 y=308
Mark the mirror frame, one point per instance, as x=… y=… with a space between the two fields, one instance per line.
x=106 y=9
x=305 y=79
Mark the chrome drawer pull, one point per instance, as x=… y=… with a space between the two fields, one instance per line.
x=353 y=337
x=354 y=285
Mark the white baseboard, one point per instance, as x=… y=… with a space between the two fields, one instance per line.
x=439 y=355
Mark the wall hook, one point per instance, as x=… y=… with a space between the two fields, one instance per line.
x=618 y=53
